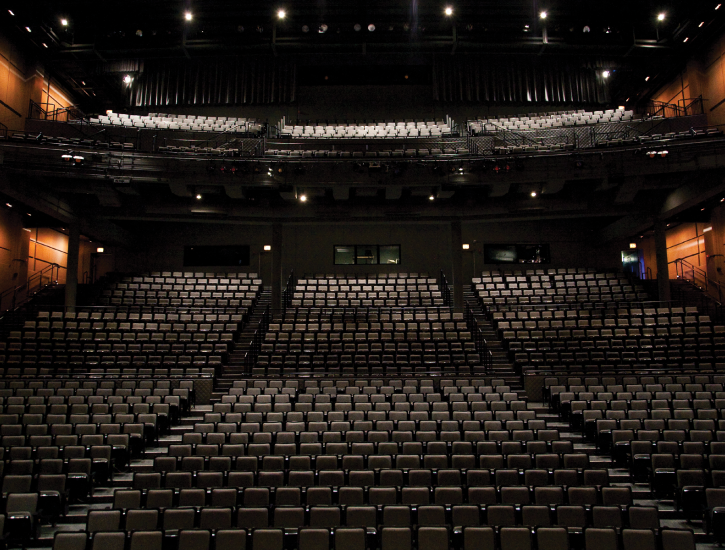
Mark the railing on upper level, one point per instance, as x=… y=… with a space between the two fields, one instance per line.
x=48 y=111
x=698 y=277
x=684 y=107
x=255 y=346
x=477 y=334
x=14 y=297
x=445 y=290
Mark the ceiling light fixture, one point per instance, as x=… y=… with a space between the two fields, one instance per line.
x=198 y=196
x=533 y=194
x=543 y=15
x=64 y=22
x=188 y=16
x=448 y=11
x=281 y=14
x=605 y=74
x=371 y=27
x=432 y=198
x=28 y=29
x=322 y=29
x=646 y=79
x=303 y=198
x=718 y=6
x=8 y=205
x=701 y=24
x=661 y=16
x=11 y=13
x=127 y=79
x=686 y=39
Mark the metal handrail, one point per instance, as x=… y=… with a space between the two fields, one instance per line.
x=698 y=277
x=20 y=294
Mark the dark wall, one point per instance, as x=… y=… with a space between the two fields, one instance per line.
x=307 y=248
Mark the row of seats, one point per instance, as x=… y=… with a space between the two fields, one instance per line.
x=380 y=130
x=558 y=119
x=655 y=137
x=178 y=122
x=360 y=538
x=392 y=153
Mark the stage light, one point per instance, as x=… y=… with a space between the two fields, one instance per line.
x=701 y=24
x=281 y=14
x=267 y=247
x=432 y=198
x=322 y=29
x=64 y=22
x=448 y=11
x=78 y=159
x=100 y=250
x=586 y=29
x=371 y=27
x=542 y=15
x=188 y=16
x=198 y=196
x=45 y=45
x=127 y=79
x=28 y=29
x=605 y=74
x=718 y=6
x=466 y=246
x=686 y=39
x=646 y=79
x=357 y=27
x=8 y=205
x=67 y=157
x=533 y=194
x=632 y=245
x=11 y=13
x=303 y=198
x=661 y=16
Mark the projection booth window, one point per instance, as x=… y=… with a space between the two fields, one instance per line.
x=367 y=254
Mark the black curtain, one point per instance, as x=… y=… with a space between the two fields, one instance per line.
x=214 y=81
x=487 y=79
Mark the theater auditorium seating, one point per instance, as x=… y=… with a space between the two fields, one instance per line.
x=374 y=130
x=190 y=123
x=350 y=458
x=558 y=119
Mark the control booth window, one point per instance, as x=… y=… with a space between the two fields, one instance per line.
x=367 y=254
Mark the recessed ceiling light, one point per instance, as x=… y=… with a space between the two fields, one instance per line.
x=448 y=11
x=188 y=16
x=198 y=196
x=303 y=198
x=605 y=74
x=127 y=79
x=432 y=198
x=64 y=22
x=533 y=193
x=281 y=14
x=543 y=15
x=661 y=16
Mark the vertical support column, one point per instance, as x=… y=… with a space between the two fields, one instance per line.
x=71 y=272
x=277 y=277
x=663 y=271
x=457 y=263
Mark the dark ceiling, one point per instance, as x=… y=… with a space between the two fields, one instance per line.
x=102 y=38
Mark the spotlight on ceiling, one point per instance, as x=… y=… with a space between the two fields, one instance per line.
x=11 y=13
x=533 y=194
x=661 y=16
x=8 y=205
x=322 y=29
x=198 y=196
x=64 y=22
x=448 y=11
x=281 y=14
x=371 y=27
x=646 y=79
x=605 y=74
x=686 y=39
x=188 y=16
x=127 y=79
x=303 y=198
x=432 y=198
x=542 y=15
x=28 y=29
